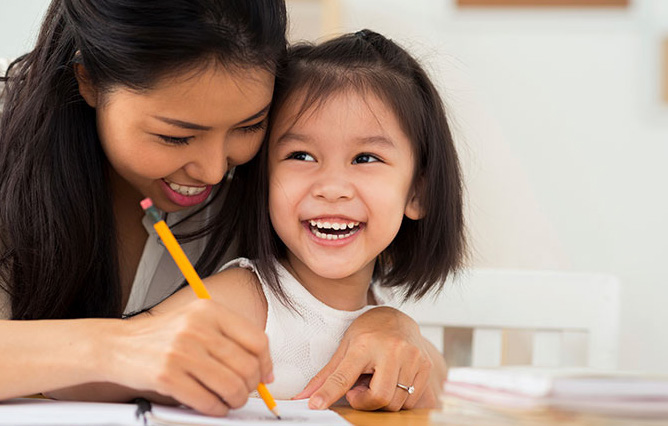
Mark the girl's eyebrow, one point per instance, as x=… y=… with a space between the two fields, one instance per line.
x=194 y=126
x=379 y=141
x=285 y=137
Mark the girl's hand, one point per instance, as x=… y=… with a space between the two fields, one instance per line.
x=387 y=345
x=201 y=354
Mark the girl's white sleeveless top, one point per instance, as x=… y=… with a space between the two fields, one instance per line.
x=301 y=339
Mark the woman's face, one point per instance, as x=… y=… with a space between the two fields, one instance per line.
x=175 y=141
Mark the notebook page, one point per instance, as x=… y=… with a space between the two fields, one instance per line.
x=29 y=412
x=254 y=412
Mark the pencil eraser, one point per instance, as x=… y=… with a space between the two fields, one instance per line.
x=146 y=203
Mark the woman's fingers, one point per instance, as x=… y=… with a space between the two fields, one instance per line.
x=419 y=383
x=203 y=355
x=242 y=363
x=381 y=389
x=222 y=381
x=319 y=379
x=413 y=374
x=249 y=337
x=338 y=382
x=190 y=392
x=382 y=342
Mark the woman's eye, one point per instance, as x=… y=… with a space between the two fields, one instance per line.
x=175 y=140
x=300 y=156
x=365 y=158
x=257 y=127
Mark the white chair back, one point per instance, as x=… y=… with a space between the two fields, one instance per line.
x=558 y=307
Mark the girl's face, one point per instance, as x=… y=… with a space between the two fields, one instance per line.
x=176 y=140
x=341 y=181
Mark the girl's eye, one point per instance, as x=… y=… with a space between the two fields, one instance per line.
x=174 y=140
x=300 y=156
x=257 y=127
x=365 y=158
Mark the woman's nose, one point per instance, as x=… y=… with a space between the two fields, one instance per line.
x=207 y=163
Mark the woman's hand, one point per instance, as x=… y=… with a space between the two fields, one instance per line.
x=382 y=348
x=201 y=354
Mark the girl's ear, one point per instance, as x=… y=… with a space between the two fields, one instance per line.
x=414 y=208
x=86 y=87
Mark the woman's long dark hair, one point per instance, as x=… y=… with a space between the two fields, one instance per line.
x=57 y=233
x=425 y=251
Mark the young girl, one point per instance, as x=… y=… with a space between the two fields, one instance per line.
x=120 y=100
x=359 y=190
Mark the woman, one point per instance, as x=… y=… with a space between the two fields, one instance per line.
x=118 y=101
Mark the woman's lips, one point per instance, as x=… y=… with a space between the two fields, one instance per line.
x=177 y=193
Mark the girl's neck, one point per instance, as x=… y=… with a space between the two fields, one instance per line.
x=346 y=294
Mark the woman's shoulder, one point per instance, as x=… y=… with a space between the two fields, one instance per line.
x=5 y=305
x=5 y=266
x=5 y=300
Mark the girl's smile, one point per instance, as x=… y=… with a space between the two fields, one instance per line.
x=340 y=184
x=333 y=231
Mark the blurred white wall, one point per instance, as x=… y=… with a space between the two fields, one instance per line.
x=563 y=138
x=19 y=24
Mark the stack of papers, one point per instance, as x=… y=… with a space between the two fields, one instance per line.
x=614 y=393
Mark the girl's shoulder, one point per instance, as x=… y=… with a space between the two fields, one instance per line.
x=238 y=287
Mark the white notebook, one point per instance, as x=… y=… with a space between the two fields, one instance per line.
x=26 y=411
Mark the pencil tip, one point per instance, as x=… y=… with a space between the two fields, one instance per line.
x=275 y=411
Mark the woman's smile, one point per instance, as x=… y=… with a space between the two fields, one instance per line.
x=185 y=195
x=207 y=115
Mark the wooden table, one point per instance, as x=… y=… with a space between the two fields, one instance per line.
x=425 y=417
x=417 y=417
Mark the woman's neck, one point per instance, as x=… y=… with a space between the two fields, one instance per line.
x=124 y=197
x=346 y=294
x=130 y=232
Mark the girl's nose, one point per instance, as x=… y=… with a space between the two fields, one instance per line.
x=208 y=163
x=333 y=186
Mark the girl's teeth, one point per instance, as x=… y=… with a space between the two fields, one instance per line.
x=188 y=191
x=335 y=226
x=332 y=236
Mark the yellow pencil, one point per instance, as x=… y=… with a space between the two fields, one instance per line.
x=193 y=278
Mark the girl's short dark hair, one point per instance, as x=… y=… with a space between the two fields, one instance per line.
x=424 y=252
x=59 y=257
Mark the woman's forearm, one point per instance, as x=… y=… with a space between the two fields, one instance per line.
x=40 y=356
x=201 y=354
x=107 y=392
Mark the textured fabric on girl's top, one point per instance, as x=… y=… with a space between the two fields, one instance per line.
x=301 y=339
